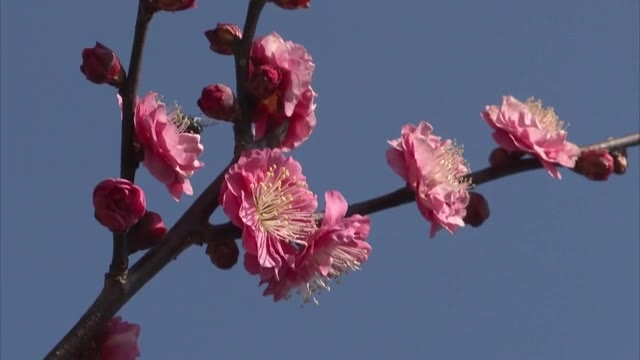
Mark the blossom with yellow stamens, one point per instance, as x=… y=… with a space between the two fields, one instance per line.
x=266 y=195
x=533 y=129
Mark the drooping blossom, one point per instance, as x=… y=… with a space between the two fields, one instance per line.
x=119 y=341
x=433 y=168
x=170 y=153
x=530 y=128
x=280 y=81
x=336 y=248
x=266 y=195
x=100 y=65
x=118 y=203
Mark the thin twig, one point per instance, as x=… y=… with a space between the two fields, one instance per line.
x=128 y=160
x=242 y=127
x=404 y=195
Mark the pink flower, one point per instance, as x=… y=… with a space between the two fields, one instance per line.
x=530 y=128
x=118 y=204
x=170 y=153
x=288 y=69
x=266 y=195
x=433 y=168
x=120 y=341
x=101 y=65
x=339 y=246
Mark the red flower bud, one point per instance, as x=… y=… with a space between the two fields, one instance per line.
x=146 y=233
x=619 y=161
x=100 y=65
x=118 y=203
x=264 y=81
x=173 y=5
x=222 y=39
x=223 y=253
x=292 y=4
x=218 y=102
x=477 y=210
x=595 y=165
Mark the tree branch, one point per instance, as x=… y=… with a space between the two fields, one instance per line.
x=128 y=160
x=405 y=195
x=242 y=127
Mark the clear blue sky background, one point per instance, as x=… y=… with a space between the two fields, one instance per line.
x=553 y=274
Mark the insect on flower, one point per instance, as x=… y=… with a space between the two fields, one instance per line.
x=190 y=124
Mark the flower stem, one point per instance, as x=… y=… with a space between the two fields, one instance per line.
x=404 y=195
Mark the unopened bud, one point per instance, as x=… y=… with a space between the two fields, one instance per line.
x=119 y=204
x=292 y=4
x=173 y=5
x=223 y=253
x=595 y=165
x=223 y=38
x=264 y=81
x=619 y=161
x=477 y=210
x=100 y=65
x=218 y=102
x=146 y=233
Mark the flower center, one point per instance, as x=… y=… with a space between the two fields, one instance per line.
x=546 y=117
x=448 y=167
x=281 y=202
x=344 y=259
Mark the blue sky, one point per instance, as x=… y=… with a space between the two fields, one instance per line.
x=554 y=273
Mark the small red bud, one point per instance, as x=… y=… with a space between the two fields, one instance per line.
x=223 y=253
x=499 y=157
x=264 y=81
x=292 y=4
x=477 y=210
x=173 y=5
x=218 y=102
x=222 y=39
x=146 y=233
x=595 y=165
x=119 y=204
x=100 y=65
x=619 y=161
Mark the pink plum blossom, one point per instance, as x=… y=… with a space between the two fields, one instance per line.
x=433 y=168
x=170 y=153
x=266 y=195
x=336 y=248
x=119 y=341
x=286 y=93
x=530 y=128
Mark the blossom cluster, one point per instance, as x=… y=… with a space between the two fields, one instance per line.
x=267 y=196
x=286 y=242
